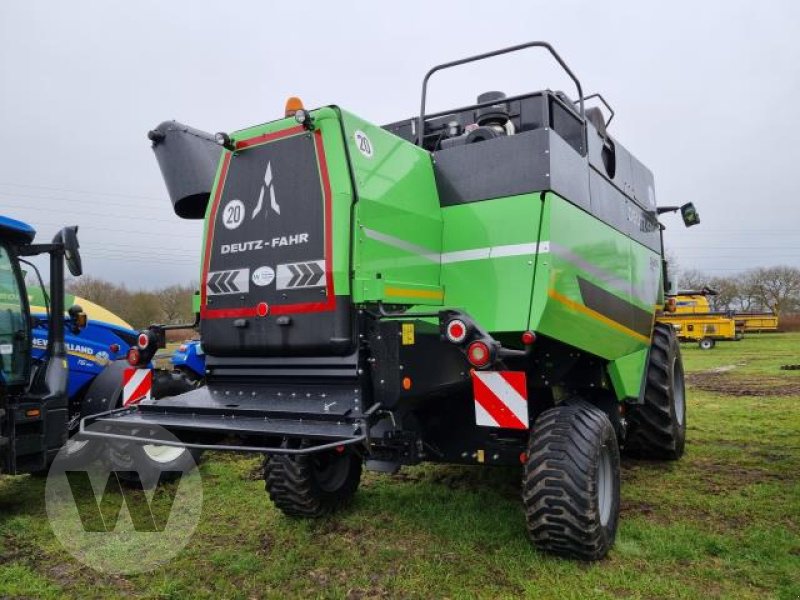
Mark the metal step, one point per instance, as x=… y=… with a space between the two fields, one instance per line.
x=263 y=416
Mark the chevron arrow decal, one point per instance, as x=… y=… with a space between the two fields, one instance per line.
x=309 y=274
x=228 y=282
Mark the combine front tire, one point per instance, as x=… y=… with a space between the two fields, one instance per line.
x=657 y=428
x=571 y=481
x=312 y=485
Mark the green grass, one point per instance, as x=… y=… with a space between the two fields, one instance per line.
x=724 y=522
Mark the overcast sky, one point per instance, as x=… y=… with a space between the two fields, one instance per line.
x=707 y=94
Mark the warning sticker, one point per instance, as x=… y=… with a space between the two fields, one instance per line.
x=407 y=334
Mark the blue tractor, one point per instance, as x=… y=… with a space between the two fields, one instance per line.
x=34 y=405
x=49 y=382
x=189 y=360
x=97 y=343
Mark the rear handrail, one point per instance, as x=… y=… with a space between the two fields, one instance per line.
x=106 y=435
x=477 y=57
x=226 y=447
x=605 y=103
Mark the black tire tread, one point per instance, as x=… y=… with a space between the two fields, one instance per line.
x=559 y=487
x=652 y=432
x=289 y=481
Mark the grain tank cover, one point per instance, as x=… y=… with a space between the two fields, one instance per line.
x=188 y=159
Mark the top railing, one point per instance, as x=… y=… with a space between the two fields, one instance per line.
x=477 y=57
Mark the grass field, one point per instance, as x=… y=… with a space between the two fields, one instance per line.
x=724 y=522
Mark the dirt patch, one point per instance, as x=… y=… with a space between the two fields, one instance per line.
x=629 y=508
x=371 y=592
x=12 y=550
x=256 y=473
x=727 y=476
x=722 y=369
x=744 y=385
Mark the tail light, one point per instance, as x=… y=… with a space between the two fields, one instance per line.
x=671 y=305
x=456 y=331
x=143 y=340
x=528 y=338
x=114 y=348
x=134 y=356
x=478 y=354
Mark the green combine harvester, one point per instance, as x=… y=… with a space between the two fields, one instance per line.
x=476 y=286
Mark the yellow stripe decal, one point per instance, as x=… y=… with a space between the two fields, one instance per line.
x=577 y=306
x=411 y=293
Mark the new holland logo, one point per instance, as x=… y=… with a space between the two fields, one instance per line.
x=228 y=282
x=301 y=275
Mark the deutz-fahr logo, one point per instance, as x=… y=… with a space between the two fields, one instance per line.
x=234 y=213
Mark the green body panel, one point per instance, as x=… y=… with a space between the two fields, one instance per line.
x=398 y=235
x=581 y=245
x=627 y=373
x=495 y=289
x=512 y=263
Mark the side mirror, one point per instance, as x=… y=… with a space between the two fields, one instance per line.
x=78 y=317
x=69 y=238
x=689 y=215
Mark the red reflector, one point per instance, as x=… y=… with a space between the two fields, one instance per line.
x=114 y=348
x=133 y=357
x=523 y=457
x=143 y=340
x=339 y=449
x=262 y=310
x=456 y=331
x=478 y=354
x=528 y=338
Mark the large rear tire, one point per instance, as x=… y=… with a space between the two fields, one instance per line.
x=312 y=485
x=571 y=482
x=657 y=428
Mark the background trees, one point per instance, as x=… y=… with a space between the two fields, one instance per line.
x=775 y=289
x=140 y=308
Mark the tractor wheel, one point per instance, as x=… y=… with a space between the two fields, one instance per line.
x=312 y=485
x=151 y=463
x=657 y=428
x=78 y=452
x=571 y=481
x=707 y=343
x=189 y=376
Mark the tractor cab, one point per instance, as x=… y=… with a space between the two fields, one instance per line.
x=33 y=401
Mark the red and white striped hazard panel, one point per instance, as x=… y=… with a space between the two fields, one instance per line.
x=501 y=399
x=137 y=385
